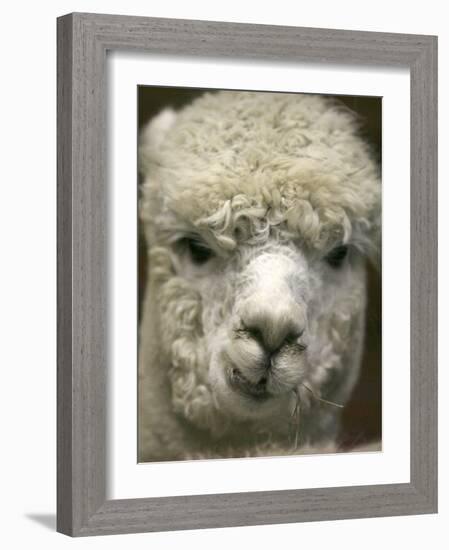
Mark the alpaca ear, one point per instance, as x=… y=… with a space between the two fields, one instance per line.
x=152 y=136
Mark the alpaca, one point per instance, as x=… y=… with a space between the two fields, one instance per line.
x=260 y=211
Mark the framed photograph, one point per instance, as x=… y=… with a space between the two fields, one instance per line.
x=247 y=282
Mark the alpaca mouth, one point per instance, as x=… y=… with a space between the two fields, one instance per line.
x=247 y=388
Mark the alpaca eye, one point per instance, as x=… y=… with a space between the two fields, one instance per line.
x=199 y=252
x=336 y=257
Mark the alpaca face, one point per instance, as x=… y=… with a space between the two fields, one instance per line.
x=273 y=322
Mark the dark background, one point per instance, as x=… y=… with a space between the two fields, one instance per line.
x=362 y=416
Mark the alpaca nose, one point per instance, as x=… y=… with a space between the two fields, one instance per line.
x=273 y=325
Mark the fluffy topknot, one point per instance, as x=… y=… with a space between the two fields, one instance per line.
x=242 y=159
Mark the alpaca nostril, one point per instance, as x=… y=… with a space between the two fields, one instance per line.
x=293 y=336
x=256 y=334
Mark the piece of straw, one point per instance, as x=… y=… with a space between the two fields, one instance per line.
x=321 y=399
x=297 y=414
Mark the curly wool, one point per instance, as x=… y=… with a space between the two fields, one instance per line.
x=253 y=161
x=246 y=168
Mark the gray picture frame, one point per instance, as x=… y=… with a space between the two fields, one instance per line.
x=83 y=41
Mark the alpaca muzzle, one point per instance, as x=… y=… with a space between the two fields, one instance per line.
x=266 y=350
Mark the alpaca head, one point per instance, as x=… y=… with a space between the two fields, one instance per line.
x=259 y=212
